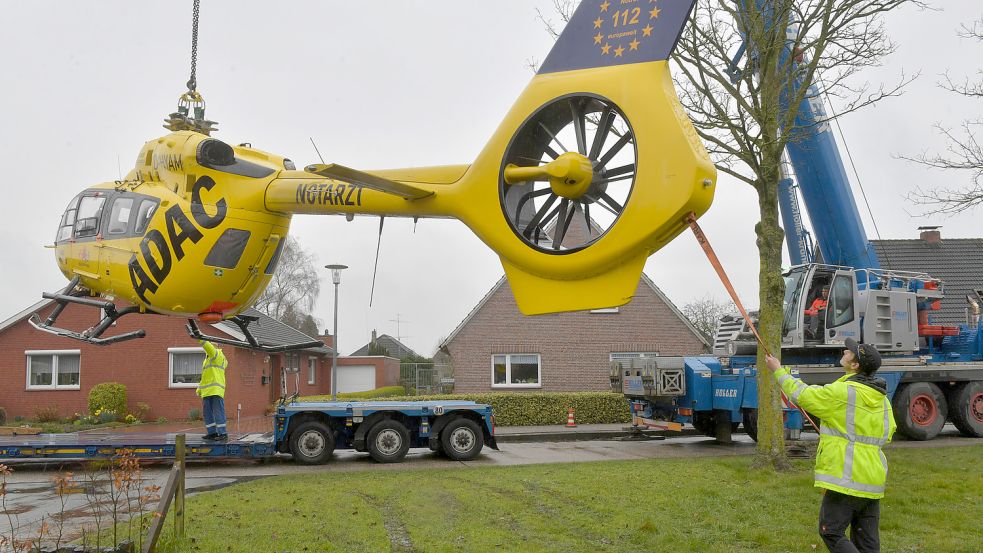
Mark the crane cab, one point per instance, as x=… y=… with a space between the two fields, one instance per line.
x=821 y=307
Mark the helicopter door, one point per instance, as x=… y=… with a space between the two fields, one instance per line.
x=842 y=321
x=118 y=244
x=86 y=237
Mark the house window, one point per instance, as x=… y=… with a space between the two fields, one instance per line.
x=516 y=370
x=184 y=368
x=311 y=370
x=606 y=310
x=53 y=370
x=291 y=363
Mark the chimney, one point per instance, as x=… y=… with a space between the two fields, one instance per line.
x=931 y=235
x=374 y=337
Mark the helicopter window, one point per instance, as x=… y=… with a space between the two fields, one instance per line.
x=68 y=220
x=228 y=249
x=842 y=301
x=144 y=213
x=87 y=218
x=271 y=266
x=119 y=215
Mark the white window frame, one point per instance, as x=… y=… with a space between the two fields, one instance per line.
x=312 y=370
x=606 y=310
x=54 y=368
x=508 y=371
x=170 y=367
x=631 y=355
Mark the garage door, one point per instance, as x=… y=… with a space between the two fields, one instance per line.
x=356 y=378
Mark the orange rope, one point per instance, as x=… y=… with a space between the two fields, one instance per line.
x=717 y=266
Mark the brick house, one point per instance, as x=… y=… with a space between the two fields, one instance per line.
x=39 y=370
x=496 y=348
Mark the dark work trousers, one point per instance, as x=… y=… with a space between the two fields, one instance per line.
x=861 y=514
x=213 y=411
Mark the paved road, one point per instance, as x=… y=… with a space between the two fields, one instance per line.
x=31 y=496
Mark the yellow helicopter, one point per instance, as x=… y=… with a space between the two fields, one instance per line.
x=197 y=226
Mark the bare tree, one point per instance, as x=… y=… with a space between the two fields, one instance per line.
x=294 y=288
x=963 y=152
x=706 y=312
x=795 y=51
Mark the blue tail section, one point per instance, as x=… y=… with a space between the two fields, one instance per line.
x=603 y=33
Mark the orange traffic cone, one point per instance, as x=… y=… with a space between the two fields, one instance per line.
x=570 y=421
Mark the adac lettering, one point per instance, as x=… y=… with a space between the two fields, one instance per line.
x=332 y=194
x=158 y=250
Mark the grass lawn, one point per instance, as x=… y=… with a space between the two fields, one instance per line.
x=696 y=505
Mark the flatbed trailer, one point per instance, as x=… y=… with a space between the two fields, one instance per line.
x=308 y=431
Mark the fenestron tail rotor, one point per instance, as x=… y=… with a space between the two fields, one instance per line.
x=573 y=158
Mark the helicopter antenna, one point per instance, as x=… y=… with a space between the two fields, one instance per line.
x=375 y=268
x=319 y=156
x=191 y=101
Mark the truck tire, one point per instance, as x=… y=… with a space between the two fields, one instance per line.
x=722 y=427
x=461 y=439
x=966 y=408
x=750 y=418
x=920 y=410
x=312 y=443
x=388 y=441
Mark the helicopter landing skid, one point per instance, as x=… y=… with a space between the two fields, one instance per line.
x=111 y=314
x=250 y=342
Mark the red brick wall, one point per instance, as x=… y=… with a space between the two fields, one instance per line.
x=142 y=365
x=574 y=348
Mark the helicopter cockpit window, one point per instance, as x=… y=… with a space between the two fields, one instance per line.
x=68 y=220
x=87 y=218
x=144 y=214
x=119 y=216
x=228 y=249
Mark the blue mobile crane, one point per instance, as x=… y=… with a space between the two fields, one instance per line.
x=934 y=372
x=308 y=431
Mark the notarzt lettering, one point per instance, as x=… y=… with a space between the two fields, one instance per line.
x=327 y=193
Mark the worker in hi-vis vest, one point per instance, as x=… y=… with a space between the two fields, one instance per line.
x=850 y=467
x=211 y=389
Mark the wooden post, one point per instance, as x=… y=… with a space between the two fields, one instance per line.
x=179 y=450
x=158 y=515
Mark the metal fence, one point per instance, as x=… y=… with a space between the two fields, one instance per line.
x=423 y=379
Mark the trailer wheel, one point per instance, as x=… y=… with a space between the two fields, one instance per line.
x=920 y=410
x=312 y=443
x=388 y=441
x=461 y=439
x=966 y=408
x=750 y=417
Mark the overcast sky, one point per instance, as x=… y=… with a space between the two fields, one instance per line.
x=380 y=85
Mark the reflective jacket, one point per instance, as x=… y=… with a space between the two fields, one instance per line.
x=856 y=423
x=212 y=372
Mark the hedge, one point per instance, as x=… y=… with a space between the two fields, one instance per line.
x=384 y=392
x=108 y=396
x=537 y=409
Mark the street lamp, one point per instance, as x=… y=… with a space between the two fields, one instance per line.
x=336 y=279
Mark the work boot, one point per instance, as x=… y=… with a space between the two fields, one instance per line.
x=222 y=438
x=210 y=437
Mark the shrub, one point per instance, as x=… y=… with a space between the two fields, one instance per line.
x=142 y=409
x=533 y=409
x=108 y=396
x=130 y=419
x=104 y=416
x=46 y=414
x=3 y=416
x=194 y=414
x=18 y=418
x=385 y=391
x=161 y=420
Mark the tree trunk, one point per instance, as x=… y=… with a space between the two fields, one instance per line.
x=771 y=435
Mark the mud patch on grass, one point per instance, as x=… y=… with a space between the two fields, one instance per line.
x=399 y=536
